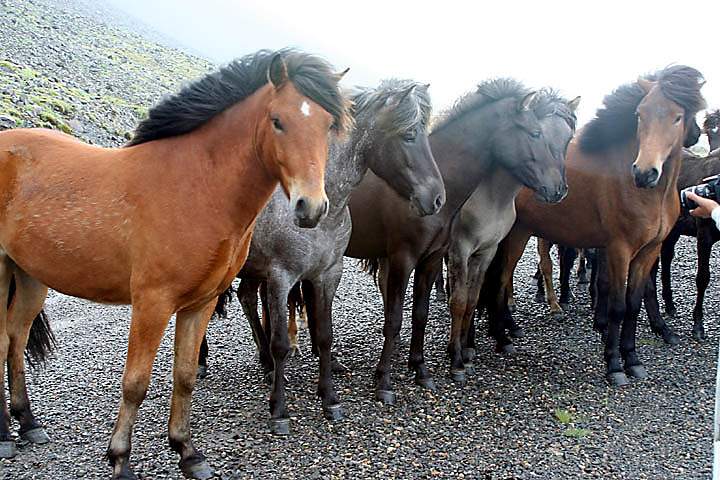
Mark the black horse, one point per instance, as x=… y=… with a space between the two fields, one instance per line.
x=390 y=138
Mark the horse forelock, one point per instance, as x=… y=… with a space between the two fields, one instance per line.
x=413 y=110
x=203 y=99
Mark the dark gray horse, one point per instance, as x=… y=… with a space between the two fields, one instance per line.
x=390 y=138
x=494 y=125
x=488 y=215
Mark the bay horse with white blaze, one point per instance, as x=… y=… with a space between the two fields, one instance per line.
x=622 y=173
x=390 y=138
x=165 y=223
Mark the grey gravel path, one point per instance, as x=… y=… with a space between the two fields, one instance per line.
x=503 y=424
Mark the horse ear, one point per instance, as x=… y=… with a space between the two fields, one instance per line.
x=425 y=87
x=645 y=84
x=574 y=103
x=339 y=76
x=525 y=103
x=277 y=73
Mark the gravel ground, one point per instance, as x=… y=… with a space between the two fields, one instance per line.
x=545 y=413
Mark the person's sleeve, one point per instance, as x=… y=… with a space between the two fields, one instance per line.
x=715 y=215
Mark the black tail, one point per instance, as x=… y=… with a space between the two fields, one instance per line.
x=371 y=267
x=296 y=300
x=41 y=341
x=223 y=301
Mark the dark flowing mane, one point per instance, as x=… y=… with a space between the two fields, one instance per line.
x=712 y=120
x=490 y=91
x=616 y=123
x=201 y=100
x=413 y=110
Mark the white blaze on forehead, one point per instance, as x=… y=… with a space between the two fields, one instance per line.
x=305 y=108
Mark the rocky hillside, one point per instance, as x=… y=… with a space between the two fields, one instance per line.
x=76 y=66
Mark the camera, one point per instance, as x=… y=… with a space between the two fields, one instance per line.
x=710 y=189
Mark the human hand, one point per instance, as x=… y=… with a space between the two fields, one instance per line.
x=704 y=208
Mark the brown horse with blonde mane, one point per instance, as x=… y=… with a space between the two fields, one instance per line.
x=622 y=172
x=163 y=224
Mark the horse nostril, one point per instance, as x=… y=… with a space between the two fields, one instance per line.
x=438 y=202
x=301 y=206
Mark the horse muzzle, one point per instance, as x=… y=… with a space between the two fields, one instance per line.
x=647 y=178
x=552 y=195
x=308 y=211
x=428 y=201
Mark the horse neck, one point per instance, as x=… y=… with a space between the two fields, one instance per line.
x=226 y=162
x=463 y=162
x=497 y=190
x=347 y=165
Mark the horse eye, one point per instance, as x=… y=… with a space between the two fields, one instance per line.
x=536 y=134
x=677 y=120
x=277 y=125
x=409 y=138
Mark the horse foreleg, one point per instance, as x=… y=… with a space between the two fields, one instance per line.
x=667 y=253
x=458 y=275
x=248 y=296
x=477 y=268
x=278 y=288
x=617 y=260
x=394 y=276
x=190 y=327
x=293 y=306
x=149 y=320
x=581 y=271
x=638 y=279
x=652 y=308
x=601 y=288
x=319 y=306
x=499 y=318
x=7 y=444
x=422 y=287
x=702 y=279
x=25 y=310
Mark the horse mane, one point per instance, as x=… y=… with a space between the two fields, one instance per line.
x=414 y=108
x=616 y=121
x=712 y=120
x=489 y=91
x=204 y=98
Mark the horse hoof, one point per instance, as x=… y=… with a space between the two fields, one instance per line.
x=333 y=413
x=671 y=312
x=469 y=369
x=512 y=308
x=36 y=435
x=637 y=371
x=699 y=335
x=426 y=382
x=539 y=298
x=556 y=313
x=583 y=279
x=671 y=338
x=564 y=306
x=507 y=349
x=458 y=376
x=197 y=468
x=468 y=354
x=617 y=379
x=386 y=396
x=338 y=367
x=8 y=449
x=202 y=371
x=280 y=426
x=516 y=332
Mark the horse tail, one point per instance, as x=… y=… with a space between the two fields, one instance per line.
x=41 y=340
x=296 y=300
x=371 y=267
x=224 y=300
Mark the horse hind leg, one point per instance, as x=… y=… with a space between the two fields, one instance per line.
x=546 y=267
x=28 y=333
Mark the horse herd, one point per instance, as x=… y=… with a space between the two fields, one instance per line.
x=201 y=193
